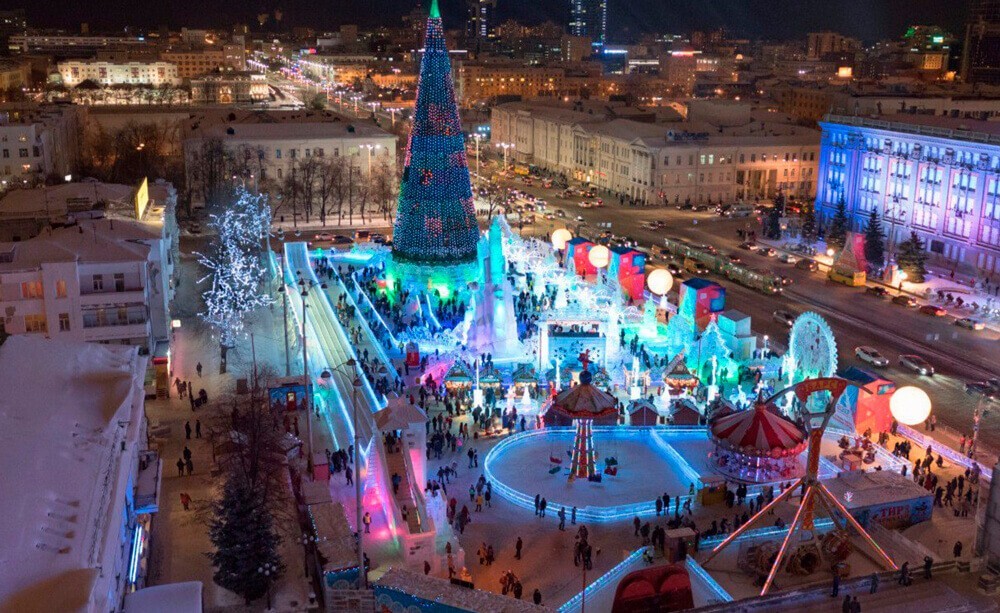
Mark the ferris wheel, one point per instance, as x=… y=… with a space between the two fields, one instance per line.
x=813 y=347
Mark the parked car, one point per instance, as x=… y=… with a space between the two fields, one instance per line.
x=809 y=265
x=870 y=355
x=970 y=323
x=906 y=301
x=916 y=364
x=877 y=291
x=933 y=309
x=783 y=317
x=340 y=239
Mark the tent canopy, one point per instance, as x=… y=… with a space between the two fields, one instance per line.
x=584 y=401
x=759 y=431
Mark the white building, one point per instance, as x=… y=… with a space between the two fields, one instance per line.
x=91 y=273
x=38 y=142
x=81 y=484
x=664 y=163
x=271 y=143
x=74 y=72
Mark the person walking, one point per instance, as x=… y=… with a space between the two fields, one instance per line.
x=874 y=583
x=187 y=453
x=367 y=520
x=904 y=574
x=190 y=466
x=958 y=549
x=197 y=428
x=536 y=597
x=180 y=467
x=518 y=588
x=573 y=516
x=187 y=430
x=845 y=607
x=836 y=585
x=562 y=518
x=185 y=500
x=855 y=605
x=517 y=548
x=928 y=562
x=349 y=474
x=479 y=502
x=191 y=398
x=542 y=506
x=538 y=499
x=198 y=368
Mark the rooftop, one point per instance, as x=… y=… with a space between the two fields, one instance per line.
x=865 y=489
x=264 y=125
x=453 y=597
x=66 y=409
x=89 y=242
x=953 y=128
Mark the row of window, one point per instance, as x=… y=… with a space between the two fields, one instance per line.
x=708 y=159
x=34 y=290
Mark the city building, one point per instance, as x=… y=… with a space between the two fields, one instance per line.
x=274 y=142
x=155 y=73
x=229 y=88
x=589 y=18
x=935 y=176
x=482 y=19
x=821 y=44
x=981 y=52
x=197 y=61
x=37 y=143
x=575 y=48
x=88 y=262
x=71 y=45
x=480 y=82
x=12 y=22
x=664 y=163
x=14 y=74
x=80 y=530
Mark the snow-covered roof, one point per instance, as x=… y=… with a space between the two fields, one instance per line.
x=441 y=591
x=89 y=242
x=182 y=597
x=66 y=411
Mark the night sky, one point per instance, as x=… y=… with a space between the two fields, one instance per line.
x=867 y=19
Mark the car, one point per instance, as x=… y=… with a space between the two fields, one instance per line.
x=783 y=317
x=541 y=203
x=916 y=364
x=788 y=258
x=870 y=355
x=786 y=280
x=378 y=238
x=695 y=267
x=675 y=269
x=561 y=213
x=768 y=251
x=970 y=323
x=906 y=301
x=981 y=388
x=580 y=218
x=877 y=291
x=934 y=310
x=550 y=216
x=734 y=258
x=748 y=246
x=707 y=248
x=809 y=265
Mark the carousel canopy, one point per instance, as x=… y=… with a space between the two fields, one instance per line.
x=584 y=401
x=758 y=432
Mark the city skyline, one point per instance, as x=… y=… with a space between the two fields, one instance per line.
x=750 y=18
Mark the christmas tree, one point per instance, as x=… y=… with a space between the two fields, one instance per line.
x=436 y=218
x=836 y=235
x=246 y=556
x=912 y=258
x=874 y=242
x=772 y=224
x=809 y=223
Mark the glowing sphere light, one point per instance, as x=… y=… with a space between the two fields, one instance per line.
x=599 y=256
x=660 y=281
x=560 y=237
x=910 y=405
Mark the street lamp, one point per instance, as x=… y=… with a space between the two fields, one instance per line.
x=268 y=572
x=477 y=138
x=308 y=540
x=305 y=288
x=326 y=375
x=371 y=149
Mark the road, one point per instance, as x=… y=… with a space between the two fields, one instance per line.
x=958 y=355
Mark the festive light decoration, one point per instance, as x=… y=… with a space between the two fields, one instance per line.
x=599 y=256
x=660 y=281
x=584 y=458
x=910 y=405
x=235 y=266
x=436 y=218
x=560 y=237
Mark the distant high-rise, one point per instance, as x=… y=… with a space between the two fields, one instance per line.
x=981 y=54
x=589 y=18
x=11 y=22
x=482 y=19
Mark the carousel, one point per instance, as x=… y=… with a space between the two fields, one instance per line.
x=757 y=445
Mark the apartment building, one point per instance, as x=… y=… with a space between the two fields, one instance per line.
x=481 y=82
x=664 y=163
x=37 y=142
x=197 y=61
x=99 y=269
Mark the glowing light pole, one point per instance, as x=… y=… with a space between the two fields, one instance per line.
x=477 y=138
x=306 y=288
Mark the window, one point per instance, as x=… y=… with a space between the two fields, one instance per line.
x=98 y=283
x=31 y=289
x=318 y=152
x=119 y=282
x=277 y=154
x=291 y=153
x=60 y=289
x=6 y=153
x=64 y=322
x=35 y=323
x=23 y=152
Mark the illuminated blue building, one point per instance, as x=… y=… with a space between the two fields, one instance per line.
x=936 y=176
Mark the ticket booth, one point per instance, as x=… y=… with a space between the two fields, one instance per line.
x=712 y=489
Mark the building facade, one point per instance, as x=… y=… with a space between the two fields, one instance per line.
x=194 y=62
x=589 y=18
x=981 y=52
x=665 y=163
x=38 y=142
x=935 y=176
x=88 y=275
x=240 y=88
x=74 y=72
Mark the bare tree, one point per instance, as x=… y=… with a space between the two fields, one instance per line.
x=208 y=164
x=384 y=188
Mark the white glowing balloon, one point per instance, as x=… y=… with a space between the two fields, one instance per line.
x=599 y=256
x=560 y=237
x=910 y=405
x=660 y=281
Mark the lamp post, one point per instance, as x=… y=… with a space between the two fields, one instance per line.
x=284 y=312
x=305 y=289
x=355 y=386
x=371 y=150
x=266 y=571
x=477 y=138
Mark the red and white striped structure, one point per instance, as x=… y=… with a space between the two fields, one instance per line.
x=759 y=432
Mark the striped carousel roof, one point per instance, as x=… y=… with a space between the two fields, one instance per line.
x=584 y=401
x=758 y=431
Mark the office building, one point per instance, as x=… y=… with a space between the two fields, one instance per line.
x=935 y=176
x=822 y=44
x=197 y=61
x=482 y=19
x=83 y=485
x=589 y=18
x=981 y=52
x=154 y=73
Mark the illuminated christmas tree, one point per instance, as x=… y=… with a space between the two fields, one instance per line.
x=436 y=218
